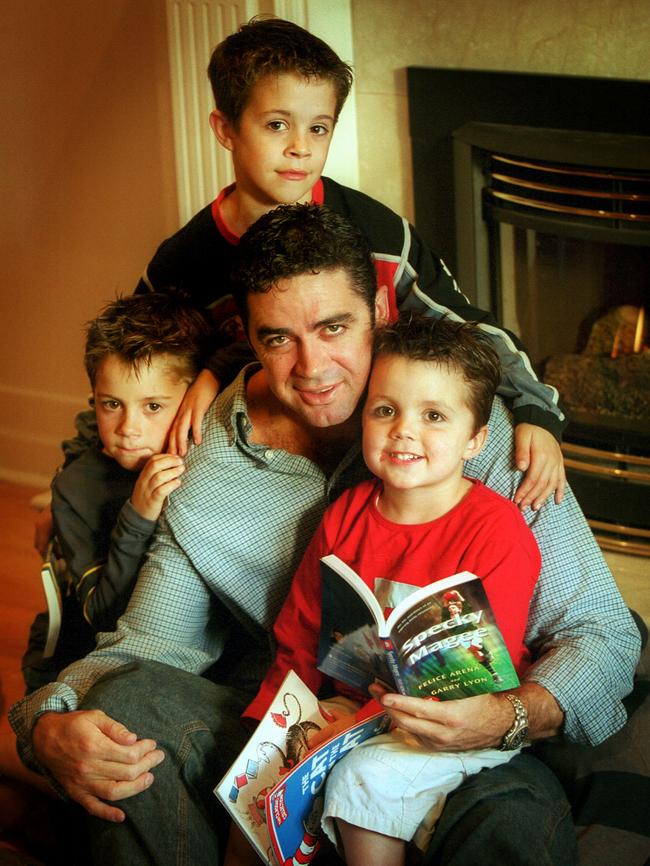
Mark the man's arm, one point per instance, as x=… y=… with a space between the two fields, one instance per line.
x=584 y=643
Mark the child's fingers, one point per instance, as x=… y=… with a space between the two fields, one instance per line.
x=179 y=432
x=165 y=476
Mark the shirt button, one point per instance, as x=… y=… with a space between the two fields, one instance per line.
x=268 y=454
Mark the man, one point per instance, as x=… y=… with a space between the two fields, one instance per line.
x=278 y=445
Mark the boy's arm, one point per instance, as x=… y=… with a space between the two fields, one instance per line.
x=102 y=583
x=426 y=285
x=104 y=574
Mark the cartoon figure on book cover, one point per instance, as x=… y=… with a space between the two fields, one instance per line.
x=291 y=752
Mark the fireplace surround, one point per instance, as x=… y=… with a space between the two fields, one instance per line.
x=536 y=189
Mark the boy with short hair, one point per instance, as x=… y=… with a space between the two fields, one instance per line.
x=278 y=92
x=142 y=352
x=419 y=520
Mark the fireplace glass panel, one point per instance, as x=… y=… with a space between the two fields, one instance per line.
x=551 y=289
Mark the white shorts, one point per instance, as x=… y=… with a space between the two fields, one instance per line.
x=392 y=785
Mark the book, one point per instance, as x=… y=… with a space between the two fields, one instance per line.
x=51 y=570
x=438 y=641
x=274 y=789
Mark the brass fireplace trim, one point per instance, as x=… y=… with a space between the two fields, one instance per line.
x=586 y=455
x=569 y=190
x=577 y=170
x=633 y=542
x=575 y=211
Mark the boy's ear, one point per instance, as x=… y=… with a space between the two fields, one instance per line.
x=476 y=443
x=382 y=309
x=222 y=129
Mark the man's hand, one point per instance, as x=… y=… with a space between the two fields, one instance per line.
x=190 y=413
x=159 y=476
x=43 y=529
x=95 y=759
x=450 y=726
x=471 y=723
x=538 y=454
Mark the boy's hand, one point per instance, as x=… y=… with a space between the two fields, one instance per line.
x=191 y=412
x=159 y=476
x=538 y=454
x=341 y=723
x=341 y=711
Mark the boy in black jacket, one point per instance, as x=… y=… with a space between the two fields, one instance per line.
x=142 y=353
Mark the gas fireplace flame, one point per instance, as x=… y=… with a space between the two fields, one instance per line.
x=623 y=346
x=640 y=330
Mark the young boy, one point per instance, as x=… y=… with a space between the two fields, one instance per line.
x=142 y=353
x=420 y=519
x=278 y=91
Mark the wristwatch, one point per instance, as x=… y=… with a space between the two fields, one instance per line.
x=515 y=736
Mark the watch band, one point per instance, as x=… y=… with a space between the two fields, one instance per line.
x=515 y=736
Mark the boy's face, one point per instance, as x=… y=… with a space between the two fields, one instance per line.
x=417 y=427
x=135 y=408
x=313 y=335
x=280 y=144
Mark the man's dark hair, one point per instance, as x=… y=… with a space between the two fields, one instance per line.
x=267 y=46
x=296 y=239
x=138 y=328
x=459 y=346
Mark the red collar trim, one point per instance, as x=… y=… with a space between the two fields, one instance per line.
x=229 y=235
x=318 y=192
x=317 y=197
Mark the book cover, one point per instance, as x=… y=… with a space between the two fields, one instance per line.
x=50 y=569
x=274 y=790
x=439 y=641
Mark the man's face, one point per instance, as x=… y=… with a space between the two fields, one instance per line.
x=313 y=335
x=136 y=408
x=280 y=143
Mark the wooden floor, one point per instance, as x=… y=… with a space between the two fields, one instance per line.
x=21 y=597
x=21 y=592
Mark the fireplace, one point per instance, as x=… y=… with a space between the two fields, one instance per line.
x=551 y=231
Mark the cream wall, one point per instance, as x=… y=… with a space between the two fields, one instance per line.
x=608 y=38
x=88 y=190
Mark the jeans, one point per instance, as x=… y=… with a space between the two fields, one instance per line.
x=178 y=820
x=512 y=815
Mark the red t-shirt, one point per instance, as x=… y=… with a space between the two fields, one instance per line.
x=484 y=534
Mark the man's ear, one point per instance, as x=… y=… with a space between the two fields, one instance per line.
x=476 y=443
x=382 y=308
x=222 y=129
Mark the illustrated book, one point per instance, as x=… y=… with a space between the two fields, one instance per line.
x=274 y=790
x=439 y=641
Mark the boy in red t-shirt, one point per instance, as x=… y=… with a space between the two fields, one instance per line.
x=420 y=519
